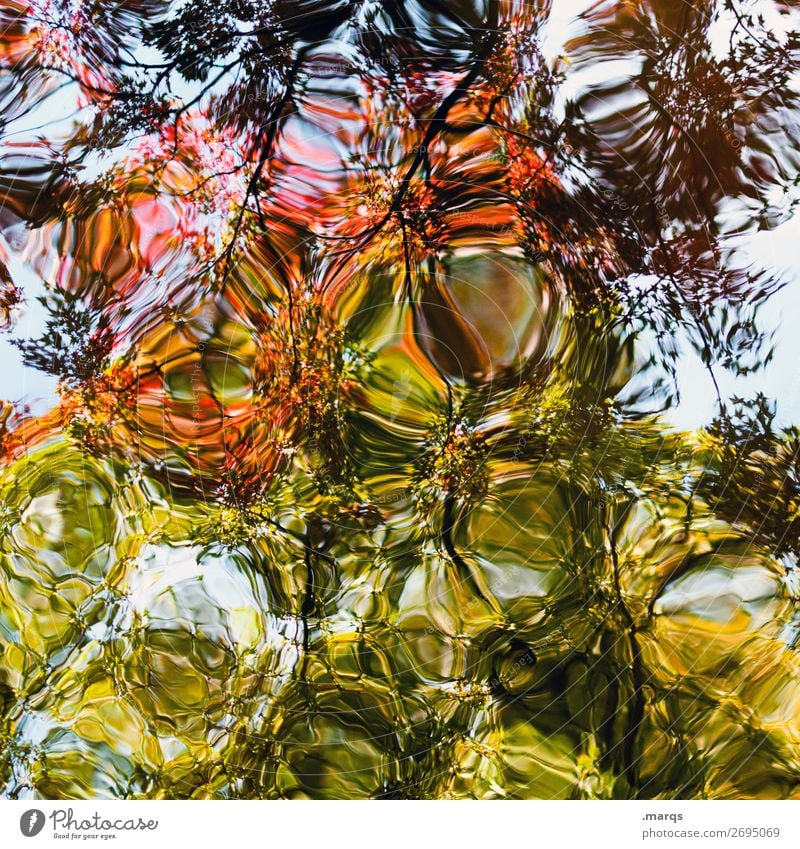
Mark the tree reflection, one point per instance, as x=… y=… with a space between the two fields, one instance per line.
x=357 y=482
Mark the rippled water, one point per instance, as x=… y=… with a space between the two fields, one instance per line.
x=359 y=480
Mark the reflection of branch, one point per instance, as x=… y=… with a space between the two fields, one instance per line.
x=692 y=142
x=684 y=300
x=741 y=22
x=312 y=555
x=448 y=526
x=34 y=106
x=490 y=122
x=153 y=368
x=438 y=123
x=435 y=126
x=207 y=47
x=269 y=143
x=206 y=88
x=637 y=669
x=309 y=603
x=273 y=122
x=215 y=176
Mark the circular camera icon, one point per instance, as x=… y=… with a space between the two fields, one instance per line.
x=31 y=822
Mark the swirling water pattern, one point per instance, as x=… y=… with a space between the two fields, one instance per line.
x=359 y=480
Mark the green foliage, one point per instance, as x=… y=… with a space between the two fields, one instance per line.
x=358 y=484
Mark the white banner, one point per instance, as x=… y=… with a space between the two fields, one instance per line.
x=418 y=825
